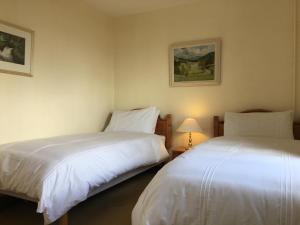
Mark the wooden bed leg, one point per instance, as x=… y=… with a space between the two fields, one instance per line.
x=63 y=220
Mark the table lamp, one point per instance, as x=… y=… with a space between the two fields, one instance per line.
x=189 y=125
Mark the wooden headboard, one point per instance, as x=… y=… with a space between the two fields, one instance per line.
x=219 y=124
x=164 y=128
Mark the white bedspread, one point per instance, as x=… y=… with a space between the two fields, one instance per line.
x=236 y=181
x=60 y=172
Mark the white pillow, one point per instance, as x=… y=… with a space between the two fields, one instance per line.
x=264 y=124
x=142 y=120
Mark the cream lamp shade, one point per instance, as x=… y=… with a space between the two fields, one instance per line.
x=189 y=125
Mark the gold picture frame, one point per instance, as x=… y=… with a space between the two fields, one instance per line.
x=16 y=49
x=195 y=63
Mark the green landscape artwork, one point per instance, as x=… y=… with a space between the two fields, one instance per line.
x=12 y=48
x=195 y=63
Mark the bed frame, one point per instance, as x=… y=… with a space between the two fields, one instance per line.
x=219 y=124
x=163 y=127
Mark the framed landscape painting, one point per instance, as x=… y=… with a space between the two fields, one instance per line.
x=195 y=63
x=15 y=49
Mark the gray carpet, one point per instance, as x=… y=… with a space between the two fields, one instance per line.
x=111 y=207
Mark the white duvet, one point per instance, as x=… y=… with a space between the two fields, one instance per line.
x=60 y=172
x=226 y=181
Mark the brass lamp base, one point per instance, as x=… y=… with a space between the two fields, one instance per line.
x=190 y=145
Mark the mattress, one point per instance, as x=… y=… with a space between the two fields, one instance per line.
x=226 y=181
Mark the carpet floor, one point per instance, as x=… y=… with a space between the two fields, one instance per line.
x=111 y=207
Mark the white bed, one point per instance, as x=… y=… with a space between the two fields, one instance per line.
x=248 y=177
x=39 y=169
x=226 y=181
x=60 y=172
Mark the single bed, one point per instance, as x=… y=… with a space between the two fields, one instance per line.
x=60 y=172
x=231 y=180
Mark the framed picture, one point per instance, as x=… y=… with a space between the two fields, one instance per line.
x=195 y=63
x=15 y=49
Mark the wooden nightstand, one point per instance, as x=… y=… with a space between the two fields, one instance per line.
x=177 y=151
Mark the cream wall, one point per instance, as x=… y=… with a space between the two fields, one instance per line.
x=257 y=58
x=72 y=87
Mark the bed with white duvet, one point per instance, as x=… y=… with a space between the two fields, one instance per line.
x=226 y=181
x=250 y=176
x=60 y=172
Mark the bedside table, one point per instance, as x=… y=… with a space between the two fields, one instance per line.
x=178 y=151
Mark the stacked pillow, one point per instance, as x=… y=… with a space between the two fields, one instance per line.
x=142 y=120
